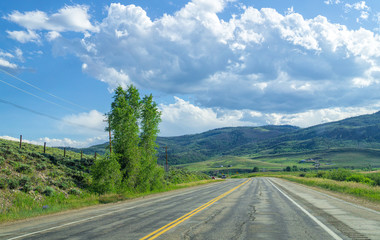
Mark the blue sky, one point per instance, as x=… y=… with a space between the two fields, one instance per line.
x=209 y=64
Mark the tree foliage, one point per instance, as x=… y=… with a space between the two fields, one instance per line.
x=106 y=174
x=134 y=124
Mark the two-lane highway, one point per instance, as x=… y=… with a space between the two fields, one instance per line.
x=258 y=208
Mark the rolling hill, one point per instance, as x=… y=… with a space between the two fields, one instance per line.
x=348 y=136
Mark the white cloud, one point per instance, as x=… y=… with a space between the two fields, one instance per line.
x=24 y=36
x=88 y=123
x=259 y=60
x=358 y=6
x=7 y=64
x=331 y=2
x=7 y=57
x=50 y=36
x=182 y=117
x=69 y=18
x=65 y=142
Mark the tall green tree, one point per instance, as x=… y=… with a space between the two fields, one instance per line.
x=150 y=120
x=124 y=123
x=134 y=124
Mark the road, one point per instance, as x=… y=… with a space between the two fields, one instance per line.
x=258 y=208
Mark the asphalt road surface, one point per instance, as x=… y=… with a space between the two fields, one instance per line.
x=258 y=208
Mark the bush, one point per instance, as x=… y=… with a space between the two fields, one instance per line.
x=106 y=175
x=360 y=179
x=6 y=171
x=3 y=183
x=339 y=174
x=2 y=160
x=25 y=180
x=74 y=191
x=26 y=188
x=375 y=177
x=13 y=183
x=49 y=191
x=41 y=166
x=23 y=168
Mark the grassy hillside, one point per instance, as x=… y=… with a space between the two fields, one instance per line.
x=31 y=178
x=201 y=147
x=29 y=168
x=351 y=142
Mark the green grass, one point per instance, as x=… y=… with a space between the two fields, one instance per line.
x=333 y=158
x=371 y=193
x=20 y=205
x=33 y=183
x=236 y=162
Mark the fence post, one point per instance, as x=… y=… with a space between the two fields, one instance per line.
x=20 y=141
x=95 y=155
x=44 y=147
x=64 y=152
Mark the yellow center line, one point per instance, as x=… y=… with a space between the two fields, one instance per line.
x=188 y=215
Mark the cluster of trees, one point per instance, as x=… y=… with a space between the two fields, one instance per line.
x=132 y=165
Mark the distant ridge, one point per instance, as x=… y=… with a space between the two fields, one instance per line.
x=355 y=132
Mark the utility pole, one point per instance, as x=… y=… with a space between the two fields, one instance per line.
x=109 y=132
x=166 y=151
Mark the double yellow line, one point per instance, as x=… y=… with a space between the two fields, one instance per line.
x=171 y=225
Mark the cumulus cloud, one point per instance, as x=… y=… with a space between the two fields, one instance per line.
x=24 y=36
x=183 y=117
x=259 y=63
x=7 y=58
x=69 y=18
x=259 y=60
x=87 y=123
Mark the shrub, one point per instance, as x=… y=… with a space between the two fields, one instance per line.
x=23 y=168
x=3 y=183
x=49 y=191
x=41 y=166
x=2 y=160
x=106 y=175
x=25 y=180
x=360 y=179
x=375 y=177
x=339 y=174
x=74 y=191
x=6 y=171
x=13 y=183
x=26 y=188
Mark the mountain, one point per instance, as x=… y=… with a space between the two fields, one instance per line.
x=352 y=133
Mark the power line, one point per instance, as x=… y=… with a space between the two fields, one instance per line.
x=59 y=98
x=41 y=98
x=47 y=115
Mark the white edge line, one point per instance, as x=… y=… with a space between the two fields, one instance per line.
x=104 y=214
x=328 y=230
x=71 y=223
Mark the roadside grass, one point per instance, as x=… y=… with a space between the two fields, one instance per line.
x=371 y=193
x=361 y=190
x=20 y=205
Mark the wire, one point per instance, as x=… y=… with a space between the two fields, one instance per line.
x=59 y=98
x=47 y=115
x=41 y=98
